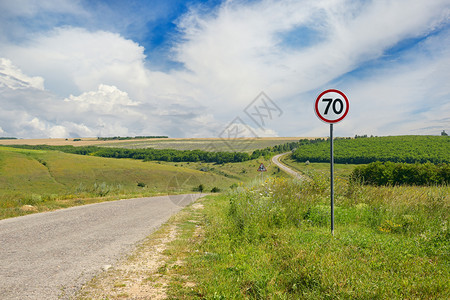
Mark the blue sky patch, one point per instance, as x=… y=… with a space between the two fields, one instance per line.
x=300 y=37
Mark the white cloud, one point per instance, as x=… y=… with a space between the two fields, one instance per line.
x=12 y=77
x=239 y=51
x=289 y=49
x=107 y=99
x=106 y=111
x=409 y=96
x=75 y=60
x=37 y=124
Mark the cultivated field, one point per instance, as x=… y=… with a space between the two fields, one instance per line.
x=208 y=144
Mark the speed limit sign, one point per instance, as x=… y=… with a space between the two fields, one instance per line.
x=331 y=106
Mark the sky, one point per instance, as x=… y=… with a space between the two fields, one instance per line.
x=93 y=68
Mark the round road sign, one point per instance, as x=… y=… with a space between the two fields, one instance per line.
x=331 y=106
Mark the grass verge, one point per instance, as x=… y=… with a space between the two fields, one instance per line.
x=271 y=240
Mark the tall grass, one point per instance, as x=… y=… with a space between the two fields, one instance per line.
x=271 y=240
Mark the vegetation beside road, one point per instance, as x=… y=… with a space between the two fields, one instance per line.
x=390 y=173
x=271 y=240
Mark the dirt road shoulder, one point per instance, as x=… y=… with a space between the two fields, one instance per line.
x=151 y=270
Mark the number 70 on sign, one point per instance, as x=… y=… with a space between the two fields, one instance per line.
x=331 y=106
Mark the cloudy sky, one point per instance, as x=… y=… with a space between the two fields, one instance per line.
x=85 y=68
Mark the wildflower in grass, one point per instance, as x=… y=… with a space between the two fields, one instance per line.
x=389 y=226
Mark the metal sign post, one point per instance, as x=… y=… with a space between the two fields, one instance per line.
x=332 y=179
x=262 y=169
x=331 y=107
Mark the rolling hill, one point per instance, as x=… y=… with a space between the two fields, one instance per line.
x=52 y=179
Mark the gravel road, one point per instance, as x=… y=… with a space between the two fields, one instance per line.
x=50 y=255
x=276 y=160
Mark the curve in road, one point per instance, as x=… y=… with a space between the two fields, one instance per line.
x=276 y=160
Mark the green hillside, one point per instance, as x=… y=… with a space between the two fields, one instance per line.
x=38 y=180
x=408 y=149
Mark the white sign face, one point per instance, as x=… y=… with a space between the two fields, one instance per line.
x=331 y=106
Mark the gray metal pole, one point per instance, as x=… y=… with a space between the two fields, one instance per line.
x=332 y=178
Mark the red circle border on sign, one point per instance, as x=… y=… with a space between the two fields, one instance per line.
x=316 y=106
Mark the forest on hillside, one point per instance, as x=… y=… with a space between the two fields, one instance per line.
x=363 y=150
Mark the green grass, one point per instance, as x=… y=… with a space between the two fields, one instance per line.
x=341 y=171
x=271 y=240
x=47 y=180
x=243 y=172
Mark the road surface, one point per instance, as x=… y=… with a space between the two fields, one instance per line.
x=276 y=160
x=50 y=255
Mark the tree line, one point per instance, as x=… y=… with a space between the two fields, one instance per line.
x=148 y=154
x=121 y=138
x=389 y=173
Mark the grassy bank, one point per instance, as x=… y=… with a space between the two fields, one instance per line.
x=341 y=171
x=271 y=240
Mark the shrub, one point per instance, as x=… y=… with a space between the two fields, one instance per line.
x=215 y=190
x=199 y=188
x=389 y=173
